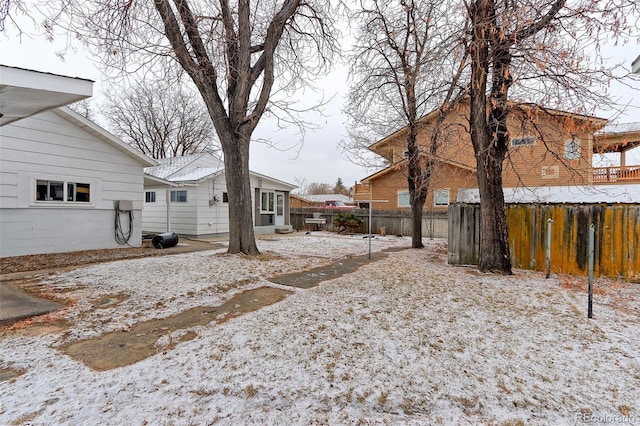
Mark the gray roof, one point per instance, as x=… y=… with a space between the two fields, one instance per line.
x=321 y=198
x=614 y=128
x=168 y=167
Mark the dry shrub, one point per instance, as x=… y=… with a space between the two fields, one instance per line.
x=581 y=284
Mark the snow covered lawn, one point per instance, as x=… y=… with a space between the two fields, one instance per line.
x=407 y=339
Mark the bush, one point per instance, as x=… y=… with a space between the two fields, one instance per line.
x=346 y=221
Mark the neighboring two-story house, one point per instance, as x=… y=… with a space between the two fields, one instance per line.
x=547 y=148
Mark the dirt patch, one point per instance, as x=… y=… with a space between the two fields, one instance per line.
x=110 y=300
x=56 y=261
x=9 y=373
x=142 y=340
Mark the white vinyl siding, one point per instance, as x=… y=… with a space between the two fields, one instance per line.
x=49 y=147
x=179 y=196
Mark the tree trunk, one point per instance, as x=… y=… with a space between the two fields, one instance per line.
x=417 y=204
x=494 y=241
x=241 y=226
x=417 y=189
x=489 y=136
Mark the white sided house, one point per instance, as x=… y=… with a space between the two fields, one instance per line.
x=188 y=195
x=62 y=177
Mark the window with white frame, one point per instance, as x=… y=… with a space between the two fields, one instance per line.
x=179 y=196
x=267 y=201
x=572 y=149
x=62 y=191
x=404 y=199
x=441 y=197
x=225 y=197
x=150 y=197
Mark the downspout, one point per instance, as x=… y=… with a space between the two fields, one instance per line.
x=168 y=199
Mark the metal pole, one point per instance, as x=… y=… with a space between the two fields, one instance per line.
x=370 y=209
x=549 y=222
x=591 y=256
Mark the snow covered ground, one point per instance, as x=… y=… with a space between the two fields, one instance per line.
x=404 y=340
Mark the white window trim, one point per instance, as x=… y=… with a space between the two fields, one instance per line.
x=435 y=198
x=95 y=191
x=273 y=194
x=155 y=197
x=575 y=154
x=403 y=206
x=186 y=193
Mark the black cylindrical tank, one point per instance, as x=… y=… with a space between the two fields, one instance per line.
x=165 y=240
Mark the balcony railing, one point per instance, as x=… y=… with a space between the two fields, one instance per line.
x=361 y=191
x=624 y=174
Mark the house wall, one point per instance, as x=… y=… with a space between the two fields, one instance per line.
x=47 y=146
x=154 y=214
x=213 y=217
x=542 y=163
x=200 y=217
x=445 y=176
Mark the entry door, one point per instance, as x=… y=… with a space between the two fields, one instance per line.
x=279 y=209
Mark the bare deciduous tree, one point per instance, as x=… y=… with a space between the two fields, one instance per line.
x=407 y=60
x=316 y=188
x=161 y=120
x=83 y=108
x=242 y=57
x=536 y=50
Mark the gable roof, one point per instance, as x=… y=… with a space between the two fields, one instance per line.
x=97 y=131
x=598 y=122
x=183 y=169
x=168 y=168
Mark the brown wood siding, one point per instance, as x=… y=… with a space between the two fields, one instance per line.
x=445 y=176
x=542 y=163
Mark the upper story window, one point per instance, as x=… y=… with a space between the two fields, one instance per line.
x=572 y=149
x=150 y=197
x=55 y=190
x=225 y=197
x=526 y=140
x=179 y=196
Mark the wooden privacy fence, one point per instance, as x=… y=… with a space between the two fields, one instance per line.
x=395 y=222
x=617 y=237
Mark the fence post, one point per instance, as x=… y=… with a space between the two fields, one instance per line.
x=548 y=257
x=591 y=260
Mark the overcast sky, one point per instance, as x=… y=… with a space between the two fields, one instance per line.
x=318 y=159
